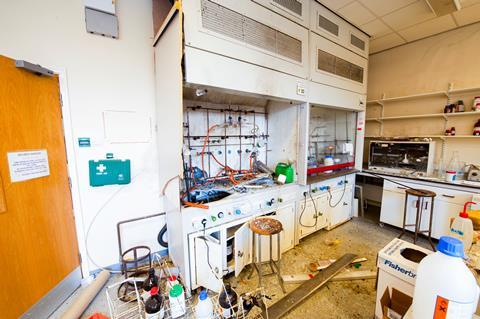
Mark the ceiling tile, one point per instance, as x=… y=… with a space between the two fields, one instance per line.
x=410 y=15
x=356 y=13
x=335 y=4
x=382 y=7
x=376 y=28
x=385 y=42
x=428 y=28
x=468 y=15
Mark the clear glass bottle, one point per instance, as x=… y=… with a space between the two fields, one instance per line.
x=453 y=167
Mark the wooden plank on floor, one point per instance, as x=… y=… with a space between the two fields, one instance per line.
x=306 y=289
x=344 y=276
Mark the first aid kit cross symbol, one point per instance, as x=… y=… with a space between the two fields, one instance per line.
x=101 y=168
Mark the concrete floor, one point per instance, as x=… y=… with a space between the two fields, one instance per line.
x=354 y=299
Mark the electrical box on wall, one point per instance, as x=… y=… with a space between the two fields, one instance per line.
x=100 y=18
x=109 y=172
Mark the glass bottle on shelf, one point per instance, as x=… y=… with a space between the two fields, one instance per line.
x=453 y=168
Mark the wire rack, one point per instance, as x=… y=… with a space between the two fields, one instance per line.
x=125 y=298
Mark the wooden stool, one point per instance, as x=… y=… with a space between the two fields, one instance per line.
x=266 y=226
x=421 y=195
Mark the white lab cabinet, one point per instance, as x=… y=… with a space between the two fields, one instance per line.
x=295 y=10
x=312 y=217
x=249 y=32
x=332 y=64
x=208 y=248
x=208 y=260
x=340 y=207
x=286 y=215
x=447 y=204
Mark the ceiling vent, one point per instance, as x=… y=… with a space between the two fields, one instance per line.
x=330 y=63
x=234 y=25
x=293 y=6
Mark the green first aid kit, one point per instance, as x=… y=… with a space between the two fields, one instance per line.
x=109 y=172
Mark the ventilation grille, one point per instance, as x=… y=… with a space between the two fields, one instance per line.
x=291 y=5
x=332 y=64
x=357 y=42
x=237 y=26
x=327 y=25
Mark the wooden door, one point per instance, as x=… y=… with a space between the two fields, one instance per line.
x=38 y=244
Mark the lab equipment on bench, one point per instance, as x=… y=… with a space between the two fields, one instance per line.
x=462 y=228
x=402 y=157
x=286 y=170
x=445 y=287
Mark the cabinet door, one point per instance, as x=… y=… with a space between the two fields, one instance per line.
x=306 y=219
x=208 y=262
x=286 y=215
x=243 y=248
x=322 y=212
x=393 y=204
x=342 y=210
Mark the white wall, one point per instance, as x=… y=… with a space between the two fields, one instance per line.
x=102 y=74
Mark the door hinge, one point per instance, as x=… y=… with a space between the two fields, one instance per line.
x=80 y=257
x=70 y=182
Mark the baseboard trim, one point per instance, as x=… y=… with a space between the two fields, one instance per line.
x=55 y=297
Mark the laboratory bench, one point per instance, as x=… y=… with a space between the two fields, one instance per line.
x=448 y=203
x=431 y=180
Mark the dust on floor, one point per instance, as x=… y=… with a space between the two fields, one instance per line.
x=346 y=299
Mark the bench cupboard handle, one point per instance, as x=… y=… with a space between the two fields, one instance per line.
x=448 y=196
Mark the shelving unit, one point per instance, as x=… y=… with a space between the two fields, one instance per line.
x=428 y=136
x=432 y=115
x=384 y=101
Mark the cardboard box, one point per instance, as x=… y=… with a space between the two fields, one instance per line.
x=397 y=266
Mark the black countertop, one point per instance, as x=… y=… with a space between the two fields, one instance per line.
x=325 y=176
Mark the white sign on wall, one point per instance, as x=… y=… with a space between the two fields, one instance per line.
x=28 y=165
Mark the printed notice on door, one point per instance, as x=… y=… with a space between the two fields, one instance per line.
x=28 y=165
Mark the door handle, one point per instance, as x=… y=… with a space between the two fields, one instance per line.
x=448 y=196
x=240 y=254
x=3 y=200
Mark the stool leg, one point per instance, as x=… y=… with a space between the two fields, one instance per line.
x=279 y=274
x=254 y=249
x=430 y=225
x=404 y=216
x=259 y=268
x=419 y=211
x=270 y=261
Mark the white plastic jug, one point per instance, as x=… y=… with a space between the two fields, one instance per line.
x=204 y=307
x=445 y=287
x=462 y=228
